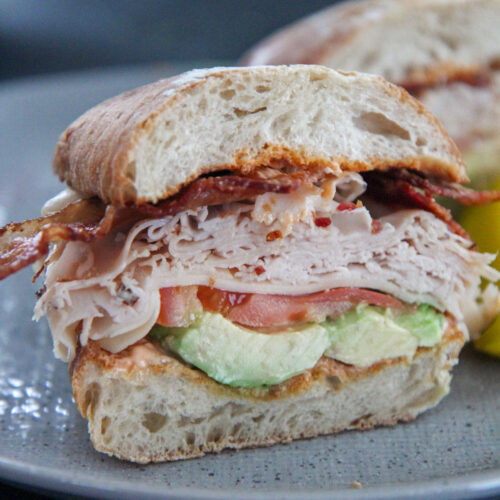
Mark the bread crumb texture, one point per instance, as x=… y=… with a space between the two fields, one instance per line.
x=145 y=145
x=170 y=411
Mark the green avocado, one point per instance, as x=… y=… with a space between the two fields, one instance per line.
x=241 y=357
x=426 y=324
x=238 y=356
x=369 y=334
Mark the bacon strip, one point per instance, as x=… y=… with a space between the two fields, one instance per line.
x=88 y=220
x=401 y=187
x=427 y=202
x=23 y=243
x=263 y=310
x=208 y=191
x=460 y=193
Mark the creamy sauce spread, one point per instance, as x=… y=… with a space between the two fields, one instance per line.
x=140 y=355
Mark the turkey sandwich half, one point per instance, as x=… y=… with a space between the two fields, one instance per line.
x=247 y=256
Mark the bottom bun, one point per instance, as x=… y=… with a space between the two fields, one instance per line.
x=146 y=406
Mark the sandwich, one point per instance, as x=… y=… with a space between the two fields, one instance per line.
x=445 y=53
x=246 y=256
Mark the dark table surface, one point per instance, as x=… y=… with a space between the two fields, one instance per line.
x=57 y=35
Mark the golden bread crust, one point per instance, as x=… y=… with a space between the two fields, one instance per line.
x=203 y=416
x=95 y=155
x=91 y=154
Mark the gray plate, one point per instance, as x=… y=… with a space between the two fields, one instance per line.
x=453 y=450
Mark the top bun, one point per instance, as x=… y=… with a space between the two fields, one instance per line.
x=401 y=40
x=146 y=144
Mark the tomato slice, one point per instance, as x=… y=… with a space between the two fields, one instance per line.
x=264 y=310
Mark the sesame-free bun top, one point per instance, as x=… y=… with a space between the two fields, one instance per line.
x=146 y=144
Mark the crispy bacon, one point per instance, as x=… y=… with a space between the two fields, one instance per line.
x=263 y=310
x=88 y=220
x=427 y=202
x=402 y=187
x=210 y=191
x=463 y=195
x=23 y=243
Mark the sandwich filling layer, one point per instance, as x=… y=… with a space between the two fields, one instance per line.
x=238 y=356
x=321 y=237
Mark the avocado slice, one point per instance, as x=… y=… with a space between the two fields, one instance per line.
x=426 y=324
x=368 y=334
x=238 y=356
x=364 y=336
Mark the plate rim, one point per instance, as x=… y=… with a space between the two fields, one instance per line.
x=480 y=484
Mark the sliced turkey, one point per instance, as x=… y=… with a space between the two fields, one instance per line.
x=108 y=290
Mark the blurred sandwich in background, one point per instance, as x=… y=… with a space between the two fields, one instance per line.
x=444 y=52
